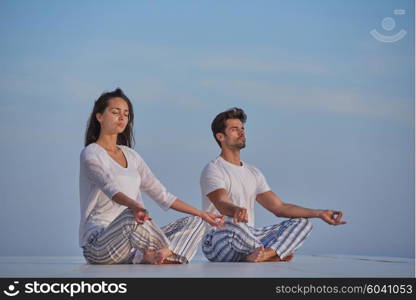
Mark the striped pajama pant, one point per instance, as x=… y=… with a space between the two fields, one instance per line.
x=117 y=243
x=236 y=241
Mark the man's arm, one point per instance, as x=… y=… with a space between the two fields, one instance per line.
x=274 y=204
x=220 y=200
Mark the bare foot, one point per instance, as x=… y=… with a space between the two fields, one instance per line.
x=288 y=257
x=278 y=259
x=158 y=257
x=256 y=255
x=162 y=254
x=268 y=254
x=171 y=262
x=149 y=257
x=260 y=255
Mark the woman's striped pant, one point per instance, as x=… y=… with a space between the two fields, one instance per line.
x=236 y=241
x=118 y=242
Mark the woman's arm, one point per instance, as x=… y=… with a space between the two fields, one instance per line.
x=212 y=219
x=139 y=212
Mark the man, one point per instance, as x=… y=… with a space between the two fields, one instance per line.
x=231 y=186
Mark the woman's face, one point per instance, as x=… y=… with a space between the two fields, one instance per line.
x=115 y=117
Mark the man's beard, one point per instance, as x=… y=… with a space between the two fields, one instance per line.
x=239 y=146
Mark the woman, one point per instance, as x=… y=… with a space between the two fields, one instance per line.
x=115 y=227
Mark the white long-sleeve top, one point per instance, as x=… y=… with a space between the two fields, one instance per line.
x=101 y=177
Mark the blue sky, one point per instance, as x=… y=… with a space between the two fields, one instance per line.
x=330 y=109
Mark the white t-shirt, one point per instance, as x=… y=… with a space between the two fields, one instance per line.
x=101 y=177
x=242 y=183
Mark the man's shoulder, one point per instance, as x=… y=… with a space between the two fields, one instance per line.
x=216 y=162
x=250 y=166
x=254 y=170
x=212 y=166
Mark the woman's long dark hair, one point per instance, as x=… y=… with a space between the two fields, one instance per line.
x=93 y=129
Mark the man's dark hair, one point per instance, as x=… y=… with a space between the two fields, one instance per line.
x=219 y=123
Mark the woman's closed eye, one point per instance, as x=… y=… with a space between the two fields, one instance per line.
x=116 y=113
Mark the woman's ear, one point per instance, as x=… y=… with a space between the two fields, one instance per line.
x=98 y=116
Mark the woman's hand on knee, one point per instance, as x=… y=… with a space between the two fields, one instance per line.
x=213 y=219
x=141 y=215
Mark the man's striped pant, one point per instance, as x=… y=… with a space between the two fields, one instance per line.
x=236 y=241
x=122 y=238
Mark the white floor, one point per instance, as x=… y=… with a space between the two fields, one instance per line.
x=300 y=266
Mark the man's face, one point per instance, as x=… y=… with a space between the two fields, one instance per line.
x=234 y=137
